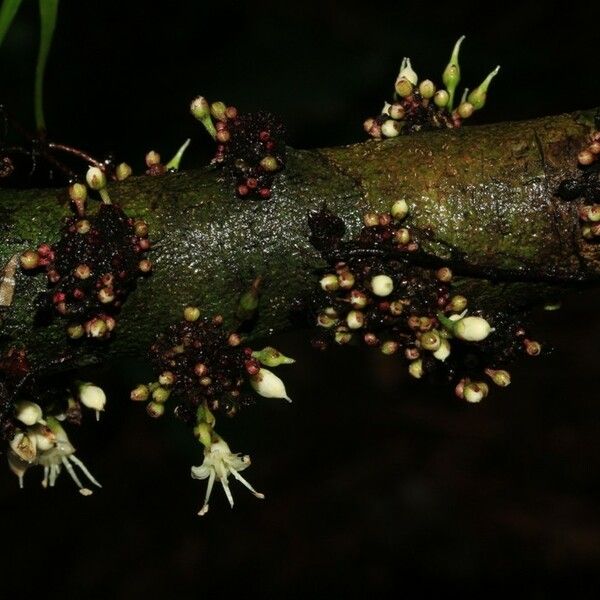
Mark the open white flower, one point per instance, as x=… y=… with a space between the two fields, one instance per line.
x=62 y=454
x=219 y=462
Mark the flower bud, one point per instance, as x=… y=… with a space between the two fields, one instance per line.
x=342 y=336
x=30 y=259
x=499 y=377
x=96 y=328
x=123 y=171
x=397 y=111
x=457 y=303
x=155 y=410
x=268 y=385
x=191 y=313
x=140 y=393
x=217 y=110
x=402 y=236
x=431 y=341
x=415 y=368
x=355 y=319
x=95 y=178
x=427 y=88
x=199 y=108
x=160 y=394
x=346 y=279
x=92 y=397
x=166 y=378
x=329 y=282
x=404 y=88
x=472 y=329
x=451 y=75
x=271 y=357
x=325 y=320
x=444 y=275
x=29 y=413
x=585 y=158
x=382 y=285
x=407 y=72
x=391 y=128
x=389 y=347
x=371 y=219
x=532 y=348
x=441 y=98
x=358 y=299
x=474 y=392
x=75 y=331
x=399 y=209
x=478 y=96
x=396 y=308
x=465 y=110
x=269 y=164
x=443 y=352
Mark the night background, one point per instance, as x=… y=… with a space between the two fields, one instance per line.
x=374 y=482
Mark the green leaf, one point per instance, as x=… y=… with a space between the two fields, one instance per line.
x=8 y=10
x=48 y=11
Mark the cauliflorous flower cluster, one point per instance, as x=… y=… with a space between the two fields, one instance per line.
x=251 y=147
x=94 y=265
x=422 y=105
x=586 y=187
x=207 y=370
x=372 y=293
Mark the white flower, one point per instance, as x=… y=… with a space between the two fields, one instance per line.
x=472 y=329
x=92 y=397
x=220 y=462
x=268 y=385
x=62 y=454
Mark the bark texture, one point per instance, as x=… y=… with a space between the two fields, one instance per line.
x=482 y=198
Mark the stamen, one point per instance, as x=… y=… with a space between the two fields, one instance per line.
x=84 y=469
x=71 y=471
x=227 y=491
x=247 y=484
x=45 y=480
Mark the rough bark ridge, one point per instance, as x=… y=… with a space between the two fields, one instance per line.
x=480 y=197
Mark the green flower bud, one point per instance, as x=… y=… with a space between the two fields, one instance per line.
x=399 y=209
x=478 y=96
x=191 y=313
x=123 y=171
x=415 y=368
x=451 y=75
x=140 y=394
x=404 y=88
x=161 y=394
x=427 y=88
x=270 y=357
x=465 y=110
x=173 y=164
x=441 y=98
x=217 y=110
x=201 y=111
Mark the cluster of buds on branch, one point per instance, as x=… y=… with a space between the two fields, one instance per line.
x=207 y=370
x=373 y=294
x=586 y=187
x=423 y=105
x=250 y=147
x=95 y=264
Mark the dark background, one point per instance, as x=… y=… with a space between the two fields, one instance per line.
x=374 y=483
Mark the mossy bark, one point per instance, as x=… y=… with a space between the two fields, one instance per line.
x=481 y=197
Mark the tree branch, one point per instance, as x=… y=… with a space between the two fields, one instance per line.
x=481 y=198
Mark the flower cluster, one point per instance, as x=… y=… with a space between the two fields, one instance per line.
x=199 y=363
x=376 y=292
x=422 y=105
x=250 y=147
x=587 y=187
x=36 y=436
x=208 y=370
x=94 y=265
